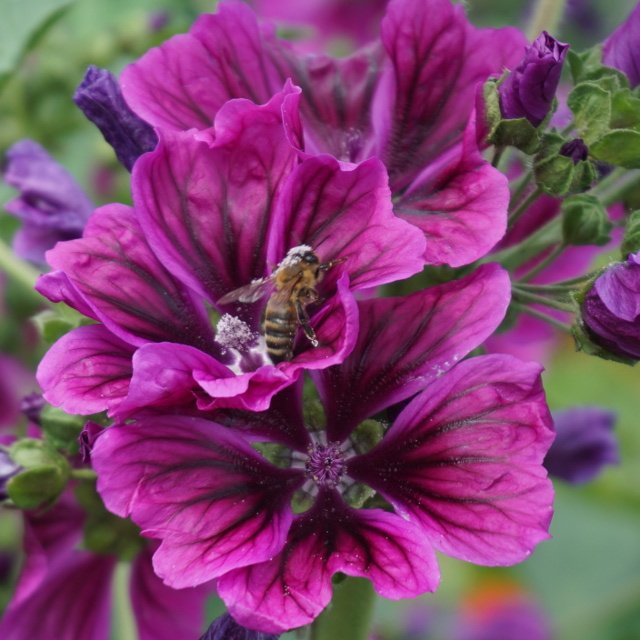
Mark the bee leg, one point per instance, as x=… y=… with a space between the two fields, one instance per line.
x=325 y=266
x=303 y=319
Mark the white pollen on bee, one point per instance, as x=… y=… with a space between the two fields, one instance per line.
x=234 y=333
x=294 y=255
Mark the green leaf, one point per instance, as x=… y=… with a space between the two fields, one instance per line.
x=23 y=21
x=591 y=106
x=631 y=241
x=620 y=147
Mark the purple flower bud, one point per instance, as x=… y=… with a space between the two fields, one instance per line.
x=621 y=49
x=584 y=444
x=51 y=205
x=226 y=628
x=611 y=309
x=31 y=406
x=529 y=90
x=100 y=99
x=87 y=439
x=575 y=149
x=8 y=469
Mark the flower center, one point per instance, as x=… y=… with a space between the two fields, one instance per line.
x=325 y=464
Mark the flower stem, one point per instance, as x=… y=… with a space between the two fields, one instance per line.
x=544 y=263
x=349 y=614
x=546 y=16
x=612 y=188
x=540 y=315
x=524 y=205
x=527 y=297
x=20 y=272
x=123 y=613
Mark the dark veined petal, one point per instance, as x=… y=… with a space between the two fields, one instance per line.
x=464 y=459
x=214 y=503
x=86 y=371
x=183 y=83
x=127 y=286
x=206 y=210
x=404 y=344
x=346 y=214
x=426 y=92
x=292 y=589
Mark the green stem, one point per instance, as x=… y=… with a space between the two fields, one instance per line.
x=546 y=288
x=20 y=272
x=524 y=205
x=546 y=16
x=526 y=297
x=542 y=316
x=124 y=623
x=616 y=185
x=544 y=263
x=497 y=154
x=83 y=474
x=349 y=614
x=520 y=186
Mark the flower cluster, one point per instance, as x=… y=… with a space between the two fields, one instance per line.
x=270 y=408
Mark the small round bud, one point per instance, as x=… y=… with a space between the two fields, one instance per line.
x=585 y=221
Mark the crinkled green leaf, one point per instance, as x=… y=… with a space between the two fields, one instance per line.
x=591 y=107
x=620 y=147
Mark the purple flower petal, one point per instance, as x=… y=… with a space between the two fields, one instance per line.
x=51 y=205
x=465 y=459
x=206 y=211
x=436 y=60
x=127 y=286
x=183 y=83
x=100 y=99
x=57 y=287
x=292 y=589
x=346 y=214
x=584 y=444
x=163 y=613
x=460 y=202
x=215 y=503
x=404 y=344
x=620 y=49
x=226 y=628
x=86 y=371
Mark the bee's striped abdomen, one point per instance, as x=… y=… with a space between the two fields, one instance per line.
x=280 y=326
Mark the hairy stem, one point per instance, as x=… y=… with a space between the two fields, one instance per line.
x=546 y=16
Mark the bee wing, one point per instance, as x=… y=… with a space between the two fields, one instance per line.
x=250 y=292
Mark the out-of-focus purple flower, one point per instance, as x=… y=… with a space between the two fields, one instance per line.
x=214 y=212
x=461 y=466
x=51 y=205
x=406 y=99
x=158 y=20
x=226 y=628
x=575 y=149
x=611 y=309
x=621 y=49
x=100 y=99
x=529 y=89
x=48 y=602
x=8 y=469
x=584 y=444
x=31 y=406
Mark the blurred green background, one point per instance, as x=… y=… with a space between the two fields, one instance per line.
x=587 y=578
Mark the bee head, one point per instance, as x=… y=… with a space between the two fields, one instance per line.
x=308 y=257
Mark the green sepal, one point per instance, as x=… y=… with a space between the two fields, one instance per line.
x=620 y=147
x=104 y=532
x=591 y=107
x=585 y=221
x=52 y=324
x=584 y=343
x=517 y=132
x=44 y=476
x=61 y=429
x=367 y=435
x=558 y=175
x=631 y=240
x=587 y=66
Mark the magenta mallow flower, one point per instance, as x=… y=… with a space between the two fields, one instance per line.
x=459 y=468
x=65 y=592
x=213 y=211
x=100 y=99
x=406 y=99
x=611 y=309
x=529 y=89
x=226 y=628
x=51 y=205
x=620 y=49
x=584 y=444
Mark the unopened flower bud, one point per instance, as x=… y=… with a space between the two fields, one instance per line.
x=575 y=149
x=100 y=99
x=226 y=628
x=529 y=89
x=611 y=309
x=585 y=221
x=584 y=444
x=31 y=406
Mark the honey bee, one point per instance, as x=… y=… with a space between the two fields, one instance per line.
x=292 y=287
